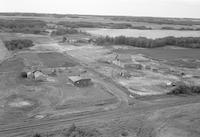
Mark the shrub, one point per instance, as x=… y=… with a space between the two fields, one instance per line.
x=185 y=89
x=74 y=131
x=23 y=75
x=124 y=134
x=37 y=135
x=18 y=44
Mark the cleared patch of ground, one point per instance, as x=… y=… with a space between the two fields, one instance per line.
x=53 y=59
x=24 y=99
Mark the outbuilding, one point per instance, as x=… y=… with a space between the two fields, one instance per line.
x=79 y=81
x=39 y=76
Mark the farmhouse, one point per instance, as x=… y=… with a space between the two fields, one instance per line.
x=79 y=81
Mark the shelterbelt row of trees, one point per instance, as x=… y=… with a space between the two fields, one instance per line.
x=187 y=42
x=23 y=26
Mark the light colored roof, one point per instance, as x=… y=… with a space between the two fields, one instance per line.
x=75 y=78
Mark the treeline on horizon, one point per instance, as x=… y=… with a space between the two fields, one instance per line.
x=23 y=26
x=158 y=20
x=86 y=24
x=186 y=42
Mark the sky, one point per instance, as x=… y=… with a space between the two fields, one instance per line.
x=155 y=8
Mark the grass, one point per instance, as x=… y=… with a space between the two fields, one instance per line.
x=166 y=54
x=54 y=59
x=12 y=65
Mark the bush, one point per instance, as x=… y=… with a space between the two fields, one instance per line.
x=37 y=135
x=185 y=89
x=18 y=44
x=141 y=27
x=23 y=75
x=74 y=131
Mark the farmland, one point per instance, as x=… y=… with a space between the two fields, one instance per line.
x=128 y=94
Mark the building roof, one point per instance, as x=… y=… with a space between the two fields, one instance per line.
x=76 y=78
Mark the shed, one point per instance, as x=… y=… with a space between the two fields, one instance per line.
x=39 y=76
x=79 y=81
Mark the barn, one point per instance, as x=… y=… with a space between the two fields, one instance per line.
x=79 y=81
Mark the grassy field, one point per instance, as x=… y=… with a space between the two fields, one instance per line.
x=54 y=59
x=38 y=39
x=166 y=54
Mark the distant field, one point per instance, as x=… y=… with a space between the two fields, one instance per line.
x=143 y=33
x=167 y=54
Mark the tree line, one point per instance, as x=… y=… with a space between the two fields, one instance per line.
x=23 y=26
x=157 y=20
x=86 y=24
x=64 y=31
x=187 y=42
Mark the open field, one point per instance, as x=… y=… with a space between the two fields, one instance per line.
x=165 y=53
